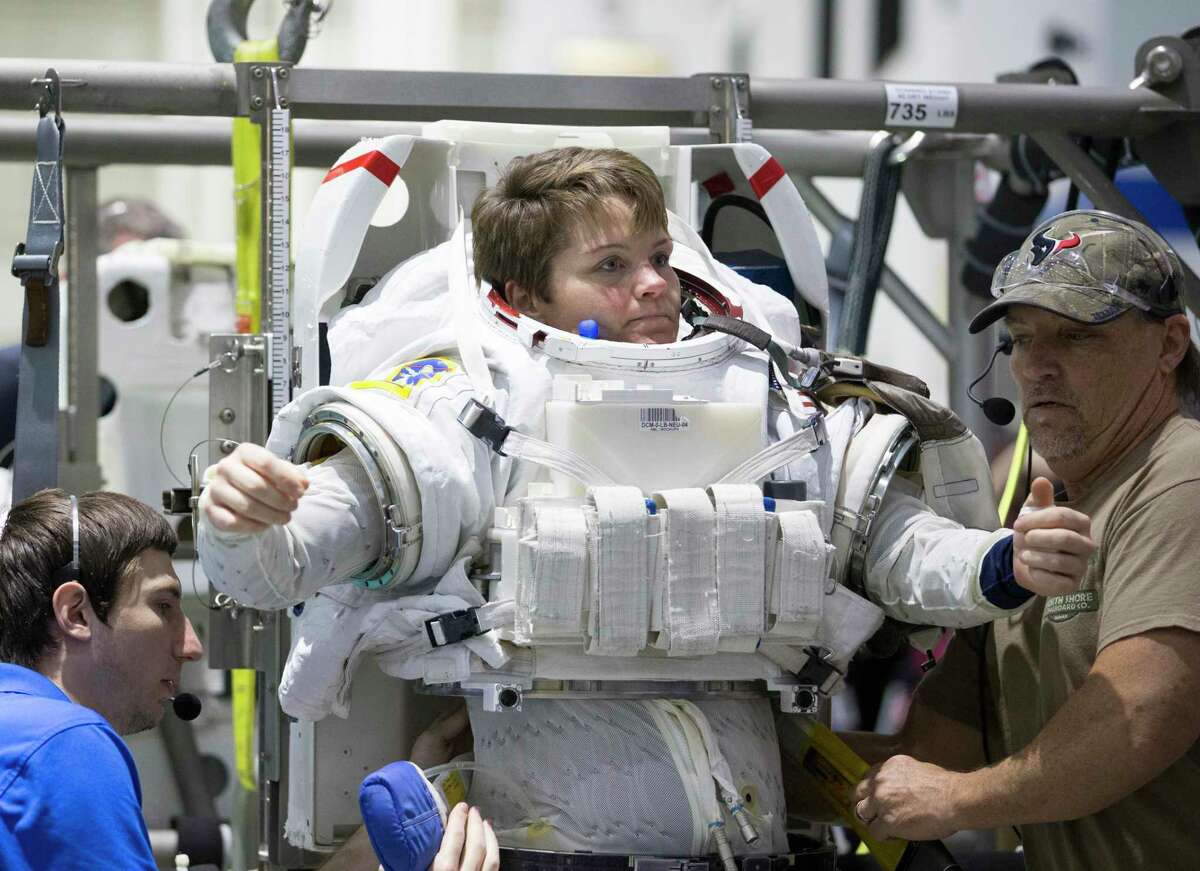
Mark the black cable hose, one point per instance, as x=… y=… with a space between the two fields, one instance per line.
x=808 y=315
x=736 y=200
x=881 y=184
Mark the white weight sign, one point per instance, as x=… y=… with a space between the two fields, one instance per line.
x=920 y=106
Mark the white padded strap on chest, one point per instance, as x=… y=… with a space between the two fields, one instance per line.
x=799 y=576
x=551 y=573
x=741 y=532
x=619 y=616
x=691 y=617
x=467 y=322
x=804 y=441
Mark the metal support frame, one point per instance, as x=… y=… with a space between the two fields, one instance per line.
x=795 y=104
x=1083 y=170
x=971 y=352
x=79 y=467
x=729 y=113
x=718 y=105
x=911 y=305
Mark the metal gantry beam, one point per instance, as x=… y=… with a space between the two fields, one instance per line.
x=79 y=465
x=982 y=107
x=125 y=87
x=798 y=104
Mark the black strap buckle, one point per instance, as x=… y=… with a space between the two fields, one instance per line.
x=485 y=425
x=453 y=627
x=818 y=671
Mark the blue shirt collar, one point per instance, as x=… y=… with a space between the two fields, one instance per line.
x=18 y=679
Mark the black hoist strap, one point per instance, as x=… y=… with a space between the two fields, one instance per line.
x=35 y=264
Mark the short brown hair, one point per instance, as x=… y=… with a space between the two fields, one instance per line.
x=527 y=217
x=36 y=542
x=1187 y=383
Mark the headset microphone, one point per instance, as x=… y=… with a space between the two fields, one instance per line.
x=186 y=706
x=995 y=408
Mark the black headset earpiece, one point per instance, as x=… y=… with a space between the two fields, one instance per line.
x=997 y=409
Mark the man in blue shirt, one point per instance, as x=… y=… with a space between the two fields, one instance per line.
x=92 y=642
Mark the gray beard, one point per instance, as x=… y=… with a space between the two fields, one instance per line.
x=1058 y=445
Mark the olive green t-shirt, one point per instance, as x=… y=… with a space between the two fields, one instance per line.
x=1144 y=574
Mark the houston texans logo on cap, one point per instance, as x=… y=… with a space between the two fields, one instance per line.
x=1043 y=245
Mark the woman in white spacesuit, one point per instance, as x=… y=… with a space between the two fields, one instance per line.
x=577 y=241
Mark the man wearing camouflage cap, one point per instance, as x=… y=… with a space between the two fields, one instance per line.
x=1080 y=726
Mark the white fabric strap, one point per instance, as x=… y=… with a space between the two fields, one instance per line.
x=681 y=230
x=551 y=572
x=691 y=615
x=523 y=447
x=799 y=576
x=758 y=466
x=790 y=659
x=847 y=621
x=619 y=614
x=467 y=320
x=741 y=543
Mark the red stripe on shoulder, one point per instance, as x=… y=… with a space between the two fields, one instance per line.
x=765 y=177
x=375 y=162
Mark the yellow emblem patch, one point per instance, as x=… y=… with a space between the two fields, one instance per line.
x=405 y=381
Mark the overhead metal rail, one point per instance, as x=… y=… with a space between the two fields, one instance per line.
x=108 y=140
x=798 y=104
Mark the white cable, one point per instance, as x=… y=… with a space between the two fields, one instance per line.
x=522 y=447
x=751 y=470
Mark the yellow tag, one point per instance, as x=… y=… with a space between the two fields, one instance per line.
x=454 y=789
x=538 y=829
x=405 y=381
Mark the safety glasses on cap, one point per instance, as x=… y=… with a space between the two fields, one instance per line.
x=1096 y=253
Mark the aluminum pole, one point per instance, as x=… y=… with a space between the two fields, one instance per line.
x=125 y=87
x=828 y=104
x=807 y=104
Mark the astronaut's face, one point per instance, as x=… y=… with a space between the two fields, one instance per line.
x=615 y=275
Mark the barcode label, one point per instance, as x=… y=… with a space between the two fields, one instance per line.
x=661 y=420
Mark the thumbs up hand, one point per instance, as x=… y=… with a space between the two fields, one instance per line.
x=1051 y=544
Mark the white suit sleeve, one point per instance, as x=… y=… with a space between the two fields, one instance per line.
x=925 y=569
x=334 y=533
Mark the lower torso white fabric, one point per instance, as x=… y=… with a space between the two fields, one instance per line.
x=600 y=775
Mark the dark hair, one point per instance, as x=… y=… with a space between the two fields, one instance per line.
x=527 y=217
x=114 y=530
x=135 y=217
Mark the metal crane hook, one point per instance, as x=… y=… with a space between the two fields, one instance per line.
x=227 y=27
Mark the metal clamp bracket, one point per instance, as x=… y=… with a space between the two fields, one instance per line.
x=483 y=423
x=729 y=113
